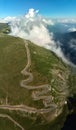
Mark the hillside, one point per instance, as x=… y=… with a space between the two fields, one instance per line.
x=4 y=28
x=34 y=85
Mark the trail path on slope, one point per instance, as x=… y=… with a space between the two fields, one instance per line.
x=24 y=83
x=45 y=87
x=37 y=94
x=11 y=119
x=24 y=108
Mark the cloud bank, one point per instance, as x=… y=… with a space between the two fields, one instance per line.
x=66 y=20
x=32 y=26
x=73 y=29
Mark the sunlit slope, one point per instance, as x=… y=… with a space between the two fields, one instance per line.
x=46 y=69
x=4 y=28
x=7 y=124
x=12 y=61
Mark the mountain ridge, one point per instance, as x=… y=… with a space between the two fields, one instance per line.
x=46 y=68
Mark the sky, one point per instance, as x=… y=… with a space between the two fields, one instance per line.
x=48 y=8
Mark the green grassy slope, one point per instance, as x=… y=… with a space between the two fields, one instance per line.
x=7 y=124
x=44 y=62
x=46 y=68
x=4 y=28
x=12 y=61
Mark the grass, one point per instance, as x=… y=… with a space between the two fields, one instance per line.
x=43 y=63
x=34 y=122
x=72 y=84
x=24 y=119
x=12 y=61
x=4 y=28
x=7 y=124
x=45 y=68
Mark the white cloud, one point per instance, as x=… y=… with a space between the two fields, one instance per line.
x=57 y=50
x=73 y=29
x=7 y=19
x=39 y=35
x=72 y=44
x=67 y=20
x=33 y=27
x=48 y=21
x=31 y=13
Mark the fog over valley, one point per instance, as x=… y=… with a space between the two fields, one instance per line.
x=52 y=34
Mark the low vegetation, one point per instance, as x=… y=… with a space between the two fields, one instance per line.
x=4 y=28
x=46 y=69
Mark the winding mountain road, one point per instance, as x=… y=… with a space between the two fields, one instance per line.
x=24 y=83
x=49 y=106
